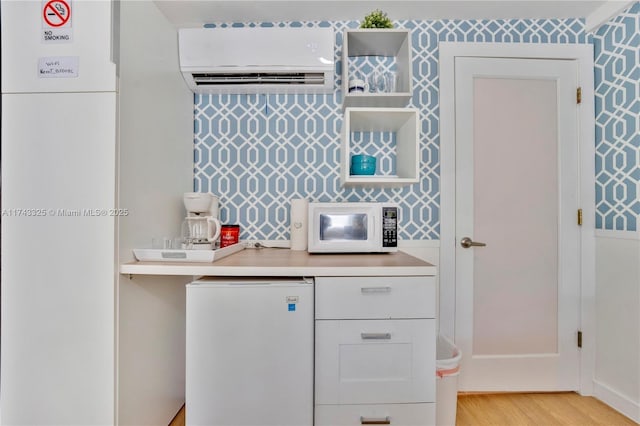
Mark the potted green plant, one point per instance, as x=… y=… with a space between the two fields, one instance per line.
x=376 y=19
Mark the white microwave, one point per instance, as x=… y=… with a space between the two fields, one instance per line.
x=353 y=227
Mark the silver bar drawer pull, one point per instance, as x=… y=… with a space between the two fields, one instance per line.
x=374 y=421
x=375 y=336
x=369 y=290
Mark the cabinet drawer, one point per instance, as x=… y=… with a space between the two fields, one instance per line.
x=375 y=361
x=394 y=414
x=375 y=297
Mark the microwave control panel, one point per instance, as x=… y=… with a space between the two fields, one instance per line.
x=389 y=227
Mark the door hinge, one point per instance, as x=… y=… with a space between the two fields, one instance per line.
x=579 y=338
x=579 y=217
x=579 y=95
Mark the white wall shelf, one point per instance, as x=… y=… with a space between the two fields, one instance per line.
x=401 y=121
x=378 y=42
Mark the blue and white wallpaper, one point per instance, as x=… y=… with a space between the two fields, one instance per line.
x=617 y=91
x=257 y=152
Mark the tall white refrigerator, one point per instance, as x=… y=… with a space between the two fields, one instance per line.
x=249 y=357
x=58 y=166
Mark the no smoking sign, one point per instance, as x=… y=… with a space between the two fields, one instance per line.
x=57 y=13
x=56 y=21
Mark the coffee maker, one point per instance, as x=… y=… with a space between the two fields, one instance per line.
x=201 y=227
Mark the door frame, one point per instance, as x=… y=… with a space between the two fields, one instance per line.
x=583 y=54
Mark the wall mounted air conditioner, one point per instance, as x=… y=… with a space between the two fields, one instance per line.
x=257 y=60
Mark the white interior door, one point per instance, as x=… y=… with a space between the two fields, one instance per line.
x=517 y=186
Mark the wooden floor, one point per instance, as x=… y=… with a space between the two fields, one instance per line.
x=520 y=409
x=178 y=420
x=537 y=409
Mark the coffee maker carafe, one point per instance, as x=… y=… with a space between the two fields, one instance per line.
x=201 y=227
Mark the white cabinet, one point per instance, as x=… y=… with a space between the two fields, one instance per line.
x=375 y=297
x=373 y=414
x=374 y=360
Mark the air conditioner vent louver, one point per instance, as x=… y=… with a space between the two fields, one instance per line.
x=257 y=60
x=202 y=79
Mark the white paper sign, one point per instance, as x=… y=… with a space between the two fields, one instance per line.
x=58 y=67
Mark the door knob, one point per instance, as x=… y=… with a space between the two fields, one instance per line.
x=467 y=242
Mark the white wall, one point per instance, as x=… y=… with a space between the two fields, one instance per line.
x=156 y=167
x=617 y=375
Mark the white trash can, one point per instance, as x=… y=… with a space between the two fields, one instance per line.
x=447 y=369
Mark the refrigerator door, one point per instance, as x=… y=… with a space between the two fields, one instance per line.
x=250 y=353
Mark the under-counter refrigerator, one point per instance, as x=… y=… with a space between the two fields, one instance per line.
x=249 y=357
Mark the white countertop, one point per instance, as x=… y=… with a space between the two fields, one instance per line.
x=285 y=262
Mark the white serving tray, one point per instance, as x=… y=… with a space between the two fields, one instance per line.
x=177 y=255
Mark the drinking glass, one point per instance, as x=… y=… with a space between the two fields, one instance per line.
x=376 y=82
x=383 y=82
x=391 y=81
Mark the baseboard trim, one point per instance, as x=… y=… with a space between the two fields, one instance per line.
x=617 y=401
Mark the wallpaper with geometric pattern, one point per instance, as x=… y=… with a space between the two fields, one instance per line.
x=257 y=152
x=617 y=103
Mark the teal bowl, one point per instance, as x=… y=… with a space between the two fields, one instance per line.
x=363 y=169
x=363 y=165
x=362 y=158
